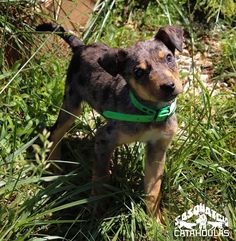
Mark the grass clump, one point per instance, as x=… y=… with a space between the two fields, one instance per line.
x=39 y=205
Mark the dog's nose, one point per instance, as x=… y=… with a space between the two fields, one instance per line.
x=168 y=88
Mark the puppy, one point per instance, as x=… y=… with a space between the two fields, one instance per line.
x=135 y=89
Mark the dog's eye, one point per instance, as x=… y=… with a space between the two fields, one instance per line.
x=139 y=72
x=169 y=58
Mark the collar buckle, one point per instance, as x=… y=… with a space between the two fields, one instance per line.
x=165 y=112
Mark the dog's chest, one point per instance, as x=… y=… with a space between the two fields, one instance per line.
x=151 y=133
x=155 y=134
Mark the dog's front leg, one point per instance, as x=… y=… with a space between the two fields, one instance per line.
x=154 y=168
x=105 y=143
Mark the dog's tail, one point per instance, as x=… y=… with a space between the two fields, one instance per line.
x=69 y=38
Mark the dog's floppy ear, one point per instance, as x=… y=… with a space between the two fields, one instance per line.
x=172 y=37
x=113 y=61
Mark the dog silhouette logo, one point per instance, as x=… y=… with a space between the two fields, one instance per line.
x=201 y=221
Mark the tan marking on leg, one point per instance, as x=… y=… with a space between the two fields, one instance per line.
x=64 y=122
x=154 y=170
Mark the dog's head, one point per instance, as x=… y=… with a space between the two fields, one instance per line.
x=149 y=67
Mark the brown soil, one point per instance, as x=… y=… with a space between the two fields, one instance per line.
x=73 y=15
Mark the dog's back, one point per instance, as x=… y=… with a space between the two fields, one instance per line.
x=135 y=89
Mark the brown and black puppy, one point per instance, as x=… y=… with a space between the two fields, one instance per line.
x=104 y=77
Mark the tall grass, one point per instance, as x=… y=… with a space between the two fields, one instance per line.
x=39 y=205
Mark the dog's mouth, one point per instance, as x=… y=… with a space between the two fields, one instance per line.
x=169 y=98
x=164 y=102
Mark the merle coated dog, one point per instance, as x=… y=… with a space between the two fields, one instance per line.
x=134 y=89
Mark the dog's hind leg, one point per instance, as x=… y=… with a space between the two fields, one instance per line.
x=70 y=109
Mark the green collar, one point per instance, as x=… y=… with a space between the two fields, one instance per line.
x=152 y=115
